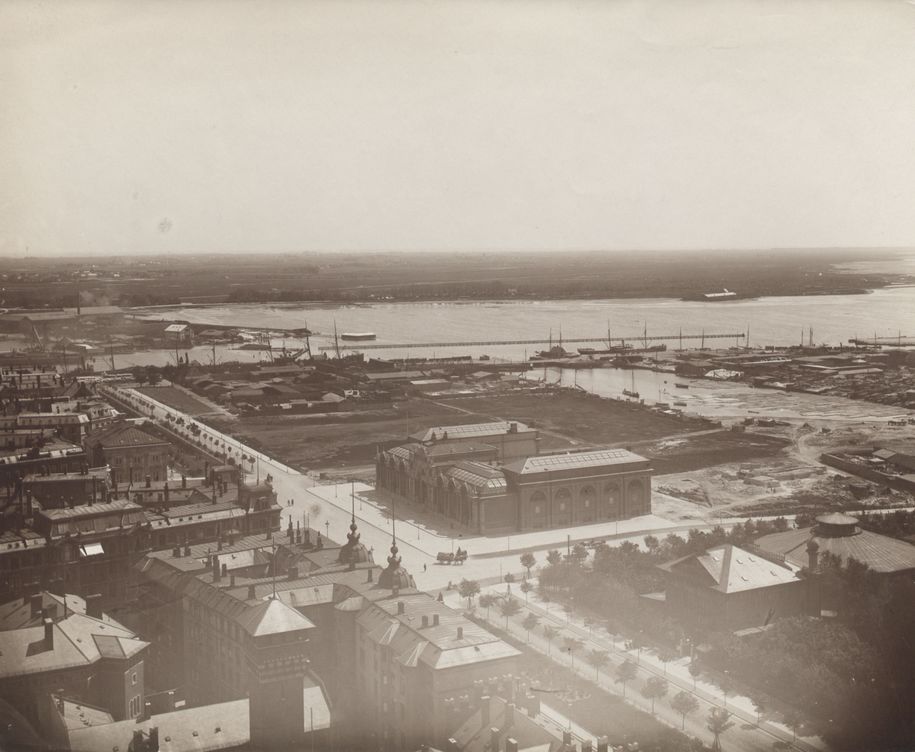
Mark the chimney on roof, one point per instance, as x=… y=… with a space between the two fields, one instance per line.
x=509 y=714
x=603 y=744
x=434 y=620
x=293 y=572
x=252 y=594
x=165 y=492
x=460 y=633
x=152 y=742
x=586 y=746
x=147 y=711
x=187 y=548
x=511 y=744
x=513 y=427
x=395 y=591
x=400 y=607
x=50 y=611
x=94 y=605
x=232 y=580
x=148 y=481
x=35 y=600
x=216 y=572
x=48 y=633
x=170 y=701
x=566 y=739
x=425 y=621
x=183 y=480
x=484 y=710
x=225 y=570
x=494 y=737
x=371 y=577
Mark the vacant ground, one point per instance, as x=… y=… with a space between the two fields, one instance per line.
x=180 y=399
x=566 y=419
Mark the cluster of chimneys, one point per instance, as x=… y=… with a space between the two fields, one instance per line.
x=510 y=744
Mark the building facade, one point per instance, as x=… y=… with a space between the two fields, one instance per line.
x=483 y=479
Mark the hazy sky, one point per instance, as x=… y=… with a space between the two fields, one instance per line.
x=183 y=126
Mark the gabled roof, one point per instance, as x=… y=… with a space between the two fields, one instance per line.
x=475 y=736
x=546 y=463
x=24 y=651
x=729 y=569
x=123 y=435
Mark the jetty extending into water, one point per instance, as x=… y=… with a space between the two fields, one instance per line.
x=736 y=336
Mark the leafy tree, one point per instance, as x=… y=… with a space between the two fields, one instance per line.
x=487 y=600
x=625 y=673
x=509 y=608
x=554 y=558
x=571 y=645
x=579 y=554
x=684 y=703
x=550 y=633
x=529 y=623
x=760 y=708
x=666 y=655
x=526 y=587
x=654 y=688
x=652 y=544
x=598 y=659
x=528 y=561
x=793 y=721
x=718 y=721
x=509 y=577
x=468 y=589
x=694 y=671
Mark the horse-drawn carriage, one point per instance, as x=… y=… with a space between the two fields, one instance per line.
x=456 y=557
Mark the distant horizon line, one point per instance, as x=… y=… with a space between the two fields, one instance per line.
x=463 y=252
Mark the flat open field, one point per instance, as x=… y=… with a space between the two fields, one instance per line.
x=177 y=398
x=566 y=420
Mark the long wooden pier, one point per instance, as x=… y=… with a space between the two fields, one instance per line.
x=503 y=342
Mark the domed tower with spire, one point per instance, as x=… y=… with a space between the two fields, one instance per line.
x=353 y=552
x=394 y=575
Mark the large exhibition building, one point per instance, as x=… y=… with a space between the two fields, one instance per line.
x=491 y=478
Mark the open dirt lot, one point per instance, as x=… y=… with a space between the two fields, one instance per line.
x=566 y=420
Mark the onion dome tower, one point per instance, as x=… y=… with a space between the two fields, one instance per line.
x=353 y=552
x=394 y=576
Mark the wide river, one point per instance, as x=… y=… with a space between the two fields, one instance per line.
x=770 y=321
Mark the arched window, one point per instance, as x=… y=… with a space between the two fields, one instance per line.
x=586 y=507
x=610 y=503
x=537 y=510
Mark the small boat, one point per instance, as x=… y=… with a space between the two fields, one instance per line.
x=679 y=404
x=630 y=393
x=358 y=336
x=681 y=386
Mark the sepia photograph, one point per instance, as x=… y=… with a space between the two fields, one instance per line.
x=457 y=376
